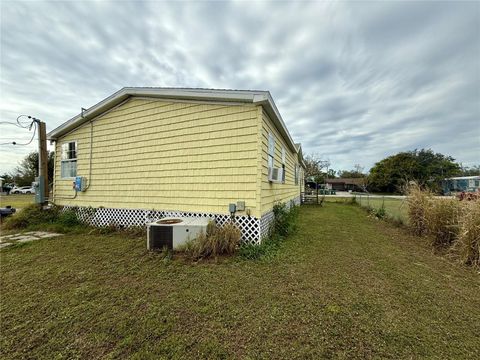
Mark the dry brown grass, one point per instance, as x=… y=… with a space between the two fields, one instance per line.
x=442 y=220
x=418 y=201
x=448 y=222
x=467 y=245
x=216 y=241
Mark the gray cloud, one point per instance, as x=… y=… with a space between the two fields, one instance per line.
x=354 y=81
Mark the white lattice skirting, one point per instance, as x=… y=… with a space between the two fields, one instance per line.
x=252 y=230
x=297 y=201
x=267 y=218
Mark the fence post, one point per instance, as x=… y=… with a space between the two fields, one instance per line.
x=317 y=194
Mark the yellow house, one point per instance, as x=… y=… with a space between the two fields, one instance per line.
x=146 y=153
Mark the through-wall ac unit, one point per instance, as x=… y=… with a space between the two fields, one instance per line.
x=173 y=232
x=275 y=174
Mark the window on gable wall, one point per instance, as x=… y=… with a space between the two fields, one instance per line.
x=69 y=159
x=283 y=164
x=271 y=150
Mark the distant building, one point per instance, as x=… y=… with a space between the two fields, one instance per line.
x=346 y=184
x=460 y=184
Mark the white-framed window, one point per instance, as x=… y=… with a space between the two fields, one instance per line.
x=283 y=164
x=297 y=173
x=69 y=159
x=271 y=150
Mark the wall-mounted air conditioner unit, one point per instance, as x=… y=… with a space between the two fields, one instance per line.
x=275 y=174
x=172 y=232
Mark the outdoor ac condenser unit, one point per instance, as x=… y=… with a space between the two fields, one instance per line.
x=172 y=232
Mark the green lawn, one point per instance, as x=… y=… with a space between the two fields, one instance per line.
x=17 y=201
x=344 y=286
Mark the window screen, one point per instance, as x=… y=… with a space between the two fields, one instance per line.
x=69 y=160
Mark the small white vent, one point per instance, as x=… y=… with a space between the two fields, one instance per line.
x=275 y=174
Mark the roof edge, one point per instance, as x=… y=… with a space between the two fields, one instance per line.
x=259 y=97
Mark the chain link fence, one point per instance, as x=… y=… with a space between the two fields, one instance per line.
x=394 y=207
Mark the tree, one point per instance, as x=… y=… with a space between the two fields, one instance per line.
x=471 y=171
x=25 y=173
x=7 y=178
x=423 y=166
x=332 y=174
x=357 y=172
x=314 y=166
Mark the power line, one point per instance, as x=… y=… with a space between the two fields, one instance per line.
x=31 y=123
x=10 y=123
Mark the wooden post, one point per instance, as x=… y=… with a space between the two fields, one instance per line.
x=43 y=156
x=317 y=192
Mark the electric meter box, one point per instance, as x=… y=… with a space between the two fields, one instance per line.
x=80 y=183
x=39 y=186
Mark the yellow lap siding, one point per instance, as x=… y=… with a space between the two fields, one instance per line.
x=275 y=192
x=166 y=155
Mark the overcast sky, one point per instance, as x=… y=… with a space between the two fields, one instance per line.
x=354 y=81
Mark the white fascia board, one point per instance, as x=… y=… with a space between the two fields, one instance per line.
x=300 y=154
x=267 y=101
x=195 y=94
x=90 y=113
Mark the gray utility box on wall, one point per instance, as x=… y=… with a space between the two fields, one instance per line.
x=39 y=186
x=172 y=232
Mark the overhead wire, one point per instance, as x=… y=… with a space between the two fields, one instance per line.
x=29 y=125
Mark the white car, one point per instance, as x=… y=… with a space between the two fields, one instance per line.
x=23 y=190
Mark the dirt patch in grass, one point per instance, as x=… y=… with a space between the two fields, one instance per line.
x=343 y=286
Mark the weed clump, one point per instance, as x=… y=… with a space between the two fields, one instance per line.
x=32 y=215
x=418 y=201
x=379 y=213
x=284 y=220
x=467 y=245
x=448 y=222
x=283 y=225
x=53 y=218
x=265 y=250
x=436 y=217
x=68 y=218
x=441 y=220
x=214 y=242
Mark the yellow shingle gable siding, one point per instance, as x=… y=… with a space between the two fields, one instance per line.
x=156 y=154
x=275 y=192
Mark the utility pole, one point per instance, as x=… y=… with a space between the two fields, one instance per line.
x=43 y=158
x=41 y=181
